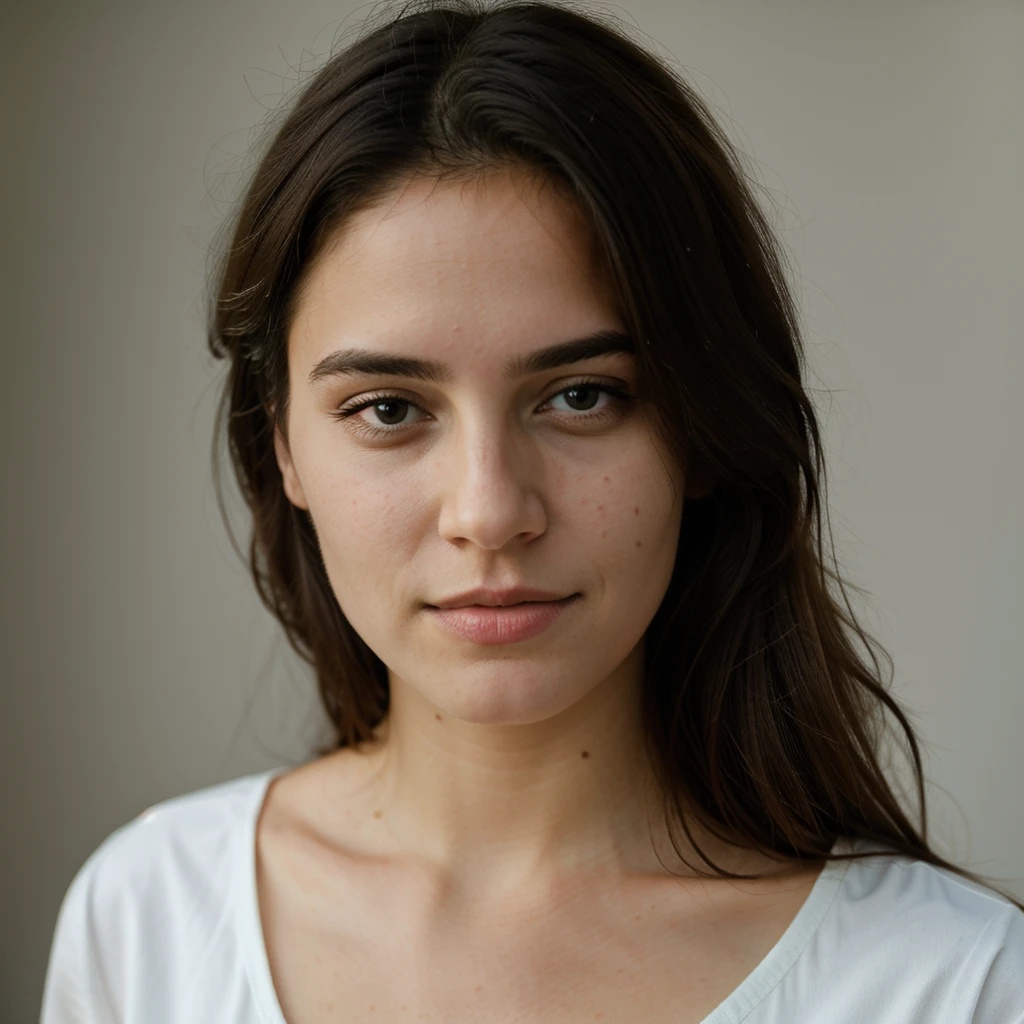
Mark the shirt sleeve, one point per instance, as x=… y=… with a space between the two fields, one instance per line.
x=77 y=988
x=1000 y=947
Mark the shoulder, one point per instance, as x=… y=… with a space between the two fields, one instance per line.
x=954 y=948
x=181 y=844
x=912 y=891
x=154 y=892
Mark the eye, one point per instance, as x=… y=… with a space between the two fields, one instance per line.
x=390 y=411
x=589 y=403
x=387 y=414
x=582 y=397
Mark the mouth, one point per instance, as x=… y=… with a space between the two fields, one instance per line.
x=490 y=597
x=502 y=624
x=511 y=604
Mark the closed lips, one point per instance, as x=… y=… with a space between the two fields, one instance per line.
x=498 y=599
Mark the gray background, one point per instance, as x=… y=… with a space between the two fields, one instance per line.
x=138 y=663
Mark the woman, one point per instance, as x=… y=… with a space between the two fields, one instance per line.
x=515 y=399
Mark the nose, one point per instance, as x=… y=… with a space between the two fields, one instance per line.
x=491 y=489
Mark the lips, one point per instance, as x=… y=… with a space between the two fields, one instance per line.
x=502 y=624
x=487 y=597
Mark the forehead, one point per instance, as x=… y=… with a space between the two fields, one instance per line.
x=488 y=266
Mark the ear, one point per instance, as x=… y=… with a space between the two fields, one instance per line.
x=292 y=486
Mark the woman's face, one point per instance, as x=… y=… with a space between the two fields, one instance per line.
x=474 y=468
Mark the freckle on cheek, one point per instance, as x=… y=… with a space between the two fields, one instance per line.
x=639 y=544
x=636 y=511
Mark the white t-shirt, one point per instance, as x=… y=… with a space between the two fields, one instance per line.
x=161 y=926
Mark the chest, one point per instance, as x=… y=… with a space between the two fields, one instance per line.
x=600 y=960
x=319 y=982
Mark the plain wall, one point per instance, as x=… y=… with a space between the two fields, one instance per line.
x=137 y=661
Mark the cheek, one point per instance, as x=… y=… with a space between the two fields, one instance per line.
x=630 y=510
x=366 y=525
x=623 y=519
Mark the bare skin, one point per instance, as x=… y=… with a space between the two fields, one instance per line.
x=494 y=856
x=355 y=930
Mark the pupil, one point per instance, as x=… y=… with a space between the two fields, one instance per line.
x=392 y=404
x=585 y=389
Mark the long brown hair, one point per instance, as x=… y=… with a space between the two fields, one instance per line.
x=763 y=717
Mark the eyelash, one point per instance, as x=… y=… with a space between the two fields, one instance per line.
x=361 y=426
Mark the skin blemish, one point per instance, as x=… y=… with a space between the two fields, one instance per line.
x=438 y=717
x=604 y=533
x=636 y=511
x=600 y=508
x=639 y=544
x=606 y=479
x=377 y=813
x=585 y=753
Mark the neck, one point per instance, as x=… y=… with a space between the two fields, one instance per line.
x=491 y=810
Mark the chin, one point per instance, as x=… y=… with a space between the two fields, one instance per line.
x=504 y=693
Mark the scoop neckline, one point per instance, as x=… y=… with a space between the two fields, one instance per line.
x=754 y=988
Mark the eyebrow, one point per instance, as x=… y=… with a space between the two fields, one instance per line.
x=353 y=361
